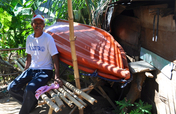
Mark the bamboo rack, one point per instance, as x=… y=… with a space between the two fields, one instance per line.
x=57 y=98
x=79 y=92
x=50 y=103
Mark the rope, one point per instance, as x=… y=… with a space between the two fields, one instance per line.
x=95 y=74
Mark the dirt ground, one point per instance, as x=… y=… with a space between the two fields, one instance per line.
x=8 y=105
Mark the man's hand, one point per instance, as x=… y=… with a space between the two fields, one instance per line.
x=58 y=81
x=28 y=62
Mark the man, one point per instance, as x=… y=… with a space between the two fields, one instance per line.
x=41 y=50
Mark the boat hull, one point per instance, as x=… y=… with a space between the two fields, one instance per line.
x=96 y=49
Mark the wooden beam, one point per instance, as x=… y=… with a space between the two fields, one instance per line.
x=11 y=49
x=10 y=74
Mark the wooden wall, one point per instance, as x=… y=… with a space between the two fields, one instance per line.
x=164 y=47
x=166 y=39
x=126 y=31
x=160 y=91
x=138 y=31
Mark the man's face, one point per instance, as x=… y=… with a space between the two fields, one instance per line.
x=38 y=25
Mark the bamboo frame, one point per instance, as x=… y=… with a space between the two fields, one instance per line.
x=78 y=104
x=90 y=87
x=56 y=99
x=74 y=96
x=64 y=99
x=21 y=62
x=41 y=102
x=19 y=65
x=52 y=105
x=79 y=92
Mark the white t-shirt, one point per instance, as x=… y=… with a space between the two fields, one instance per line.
x=41 y=49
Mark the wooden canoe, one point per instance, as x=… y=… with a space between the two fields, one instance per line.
x=96 y=49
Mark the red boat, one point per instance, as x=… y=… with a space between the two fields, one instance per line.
x=96 y=49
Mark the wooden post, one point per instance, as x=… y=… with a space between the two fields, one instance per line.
x=73 y=50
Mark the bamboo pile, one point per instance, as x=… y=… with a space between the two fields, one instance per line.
x=20 y=62
x=68 y=94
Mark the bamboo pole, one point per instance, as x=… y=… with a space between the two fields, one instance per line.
x=72 y=44
x=56 y=99
x=19 y=65
x=23 y=59
x=52 y=105
x=90 y=87
x=78 y=104
x=50 y=111
x=74 y=96
x=64 y=99
x=73 y=50
x=21 y=62
x=42 y=102
x=79 y=92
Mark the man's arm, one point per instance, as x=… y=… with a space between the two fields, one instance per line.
x=56 y=66
x=28 y=61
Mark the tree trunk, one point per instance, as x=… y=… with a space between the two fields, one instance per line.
x=136 y=87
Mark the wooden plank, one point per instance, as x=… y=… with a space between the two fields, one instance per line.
x=140 y=66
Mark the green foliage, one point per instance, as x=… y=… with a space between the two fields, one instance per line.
x=138 y=107
x=142 y=108
x=121 y=105
x=124 y=104
x=15 y=17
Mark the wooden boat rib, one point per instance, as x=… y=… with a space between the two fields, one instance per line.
x=96 y=49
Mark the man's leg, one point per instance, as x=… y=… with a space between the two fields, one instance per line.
x=29 y=100
x=15 y=88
